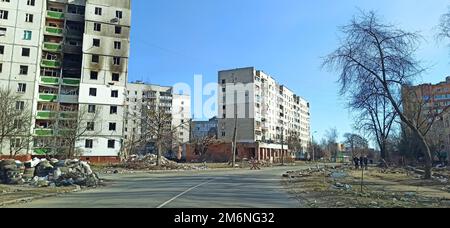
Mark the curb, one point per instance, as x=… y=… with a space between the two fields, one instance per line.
x=30 y=199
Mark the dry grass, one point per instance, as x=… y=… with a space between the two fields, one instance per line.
x=381 y=190
x=10 y=193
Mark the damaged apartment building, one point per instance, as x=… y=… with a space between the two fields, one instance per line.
x=68 y=61
x=162 y=99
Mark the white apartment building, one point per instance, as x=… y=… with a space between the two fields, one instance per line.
x=141 y=95
x=106 y=44
x=64 y=57
x=20 y=46
x=267 y=112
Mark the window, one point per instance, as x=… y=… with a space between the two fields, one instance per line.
x=27 y=35
x=115 y=77
x=20 y=105
x=92 y=92
x=1 y=67
x=89 y=143
x=90 y=126
x=21 y=88
x=95 y=59
x=30 y=2
x=112 y=126
x=113 y=110
x=94 y=75
x=98 y=11
x=111 y=144
x=26 y=52
x=116 y=61
x=29 y=18
x=118 y=30
x=117 y=45
x=4 y=14
x=2 y=31
x=91 y=108
x=223 y=134
x=2 y=50
x=15 y=142
x=119 y=14
x=23 y=70
x=97 y=27
x=96 y=42
x=224 y=81
x=115 y=93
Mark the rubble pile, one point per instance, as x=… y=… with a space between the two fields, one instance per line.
x=149 y=162
x=11 y=172
x=45 y=173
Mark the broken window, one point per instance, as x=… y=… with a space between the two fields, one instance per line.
x=115 y=93
x=115 y=77
x=96 y=42
x=95 y=59
x=93 y=92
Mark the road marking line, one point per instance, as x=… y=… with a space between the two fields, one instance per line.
x=181 y=194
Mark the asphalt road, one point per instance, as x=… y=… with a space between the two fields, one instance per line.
x=196 y=189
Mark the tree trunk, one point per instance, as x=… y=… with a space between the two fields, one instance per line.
x=428 y=157
x=158 y=160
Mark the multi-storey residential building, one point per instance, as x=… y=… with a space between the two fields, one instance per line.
x=142 y=96
x=430 y=102
x=267 y=112
x=20 y=50
x=75 y=58
x=203 y=129
x=106 y=44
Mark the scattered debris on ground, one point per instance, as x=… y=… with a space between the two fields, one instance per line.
x=48 y=173
x=149 y=162
x=382 y=188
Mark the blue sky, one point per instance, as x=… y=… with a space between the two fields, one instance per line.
x=174 y=39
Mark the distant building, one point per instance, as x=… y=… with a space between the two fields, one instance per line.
x=424 y=102
x=266 y=112
x=140 y=96
x=202 y=129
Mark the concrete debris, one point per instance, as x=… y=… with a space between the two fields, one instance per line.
x=340 y=186
x=149 y=162
x=45 y=173
x=11 y=172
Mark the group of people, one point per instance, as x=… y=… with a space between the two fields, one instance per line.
x=361 y=162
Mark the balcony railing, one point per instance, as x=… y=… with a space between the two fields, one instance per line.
x=49 y=80
x=43 y=132
x=40 y=151
x=48 y=97
x=51 y=63
x=55 y=15
x=43 y=115
x=54 y=47
x=71 y=81
x=53 y=31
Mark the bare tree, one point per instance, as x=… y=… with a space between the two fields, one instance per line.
x=158 y=128
x=331 y=140
x=15 y=122
x=375 y=115
x=377 y=54
x=202 y=144
x=444 y=26
x=358 y=145
x=73 y=125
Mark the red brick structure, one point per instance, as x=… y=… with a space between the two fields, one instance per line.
x=22 y=158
